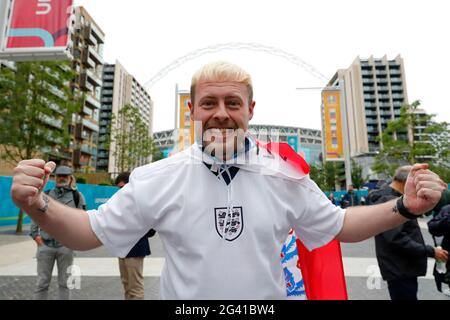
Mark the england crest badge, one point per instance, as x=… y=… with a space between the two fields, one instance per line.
x=232 y=223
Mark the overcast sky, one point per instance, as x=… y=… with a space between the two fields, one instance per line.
x=147 y=36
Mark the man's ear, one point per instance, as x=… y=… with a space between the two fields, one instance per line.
x=251 y=107
x=191 y=108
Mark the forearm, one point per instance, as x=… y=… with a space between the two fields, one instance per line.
x=361 y=223
x=69 y=226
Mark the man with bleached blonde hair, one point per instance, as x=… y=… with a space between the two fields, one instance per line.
x=223 y=207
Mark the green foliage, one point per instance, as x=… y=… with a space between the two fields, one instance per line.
x=81 y=180
x=156 y=153
x=327 y=176
x=357 y=177
x=398 y=149
x=318 y=175
x=36 y=107
x=130 y=135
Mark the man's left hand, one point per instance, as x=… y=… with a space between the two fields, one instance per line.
x=423 y=190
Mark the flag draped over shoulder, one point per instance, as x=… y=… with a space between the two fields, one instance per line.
x=322 y=269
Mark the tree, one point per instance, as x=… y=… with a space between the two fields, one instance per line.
x=327 y=175
x=156 y=153
x=36 y=107
x=318 y=175
x=357 y=177
x=400 y=146
x=131 y=139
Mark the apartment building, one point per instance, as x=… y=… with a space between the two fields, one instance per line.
x=88 y=42
x=119 y=89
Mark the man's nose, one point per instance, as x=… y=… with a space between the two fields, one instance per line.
x=221 y=113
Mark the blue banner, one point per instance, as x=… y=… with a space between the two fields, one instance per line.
x=94 y=195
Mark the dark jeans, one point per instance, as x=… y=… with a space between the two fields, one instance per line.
x=404 y=289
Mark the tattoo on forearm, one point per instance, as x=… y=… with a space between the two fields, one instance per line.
x=45 y=207
x=395 y=209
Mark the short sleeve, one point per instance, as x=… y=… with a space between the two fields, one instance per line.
x=316 y=221
x=119 y=223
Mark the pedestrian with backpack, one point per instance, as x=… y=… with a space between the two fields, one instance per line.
x=49 y=250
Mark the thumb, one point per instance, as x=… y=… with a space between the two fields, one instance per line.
x=49 y=167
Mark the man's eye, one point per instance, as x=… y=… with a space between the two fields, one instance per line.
x=234 y=103
x=208 y=104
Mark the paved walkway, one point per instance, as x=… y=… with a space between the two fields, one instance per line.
x=100 y=273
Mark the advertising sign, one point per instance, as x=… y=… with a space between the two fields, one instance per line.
x=36 y=29
x=334 y=147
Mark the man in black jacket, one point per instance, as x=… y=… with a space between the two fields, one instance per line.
x=402 y=252
x=132 y=266
x=439 y=227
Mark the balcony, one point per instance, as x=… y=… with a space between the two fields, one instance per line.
x=97 y=34
x=56 y=123
x=397 y=88
x=93 y=78
x=86 y=60
x=88 y=36
x=95 y=55
x=84 y=84
x=80 y=134
x=87 y=111
x=102 y=163
x=92 y=102
x=88 y=150
x=58 y=93
x=107 y=100
x=92 y=126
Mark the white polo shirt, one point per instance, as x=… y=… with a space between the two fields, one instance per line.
x=187 y=204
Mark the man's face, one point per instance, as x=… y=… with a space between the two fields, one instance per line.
x=224 y=112
x=121 y=184
x=350 y=188
x=62 y=180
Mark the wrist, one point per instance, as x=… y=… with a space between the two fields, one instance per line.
x=402 y=209
x=42 y=203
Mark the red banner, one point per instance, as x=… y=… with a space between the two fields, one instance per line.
x=39 y=24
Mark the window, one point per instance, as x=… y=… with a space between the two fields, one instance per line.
x=332 y=99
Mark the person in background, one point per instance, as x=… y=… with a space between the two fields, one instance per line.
x=332 y=199
x=351 y=198
x=132 y=266
x=401 y=252
x=50 y=250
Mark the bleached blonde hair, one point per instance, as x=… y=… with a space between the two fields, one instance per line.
x=222 y=71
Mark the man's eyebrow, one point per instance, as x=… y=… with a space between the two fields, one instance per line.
x=233 y=97
x=208 y=97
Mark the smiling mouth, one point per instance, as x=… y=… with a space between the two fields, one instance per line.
x=219 y=134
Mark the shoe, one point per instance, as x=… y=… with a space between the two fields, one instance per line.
x=446 y=291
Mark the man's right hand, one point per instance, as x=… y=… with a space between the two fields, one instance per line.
x=29 y=179
x=39 y=241
x=440 y=254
